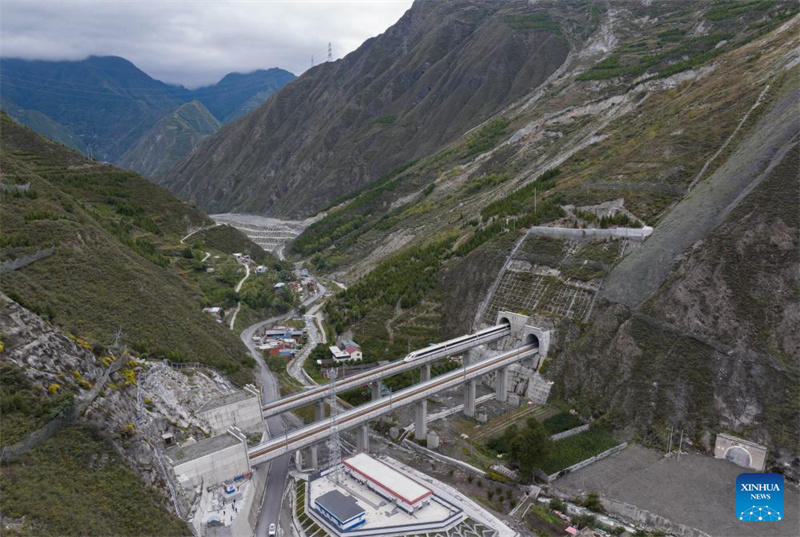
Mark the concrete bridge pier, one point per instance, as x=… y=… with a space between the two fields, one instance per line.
x=470 y=388
x=319 y=410
x=501 y=385
x=362 y=438
x=421 y=422
x=376 y=390
x=314 y=463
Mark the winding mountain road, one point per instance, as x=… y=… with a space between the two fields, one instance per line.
x=277 y=469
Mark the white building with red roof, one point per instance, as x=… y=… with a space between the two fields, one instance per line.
x=389 y=483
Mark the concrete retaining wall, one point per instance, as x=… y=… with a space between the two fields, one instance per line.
x=244 y=414
x=648 y=519
x=260 y=484
x=552 y=477
x=625 y=232
x=443 y=458
x=570 y=432
x=214 y=468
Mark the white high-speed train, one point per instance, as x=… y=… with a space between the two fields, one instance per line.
x=451 y=343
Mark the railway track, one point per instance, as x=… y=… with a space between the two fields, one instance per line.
x=424 y=356
x=318 y=431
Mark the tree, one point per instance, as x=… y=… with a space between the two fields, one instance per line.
x=530 y=447
x=592 y=502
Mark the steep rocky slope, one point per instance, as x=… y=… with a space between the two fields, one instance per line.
x=674 y=115
x=96 y=475
x=439 y=71
x=173 y=137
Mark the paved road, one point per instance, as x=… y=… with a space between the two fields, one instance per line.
x=279 y=468
x=315 y=337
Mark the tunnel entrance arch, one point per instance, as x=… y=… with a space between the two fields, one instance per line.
x=738 y=455
x=531 y=339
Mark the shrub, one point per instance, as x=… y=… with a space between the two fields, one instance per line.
x=592 y=503
x=557 y=505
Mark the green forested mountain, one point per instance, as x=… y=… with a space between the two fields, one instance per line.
x=236 y=93
x=107 y=108
x=170 y=139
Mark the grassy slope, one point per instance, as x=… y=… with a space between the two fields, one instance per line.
x=648 y=157
x=118 y=259
x=77 y=484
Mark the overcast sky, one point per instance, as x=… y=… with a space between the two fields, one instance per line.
x=193 y=42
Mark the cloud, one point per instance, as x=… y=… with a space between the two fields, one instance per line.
x=193 y=42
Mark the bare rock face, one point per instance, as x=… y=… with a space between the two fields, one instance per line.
x=168 y=397
x=716 y=348
x=442 y=69
x=47 y=355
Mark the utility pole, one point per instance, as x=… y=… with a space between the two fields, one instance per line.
x=669 y=446
x=334 y=441
x=330 y=53
x=680 y=445
x=312 y=60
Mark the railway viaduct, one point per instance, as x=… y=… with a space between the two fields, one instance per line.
x=511 y=330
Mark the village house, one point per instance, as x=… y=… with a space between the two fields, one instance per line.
x=353 y=349
x=348 y=351
x=215 y=312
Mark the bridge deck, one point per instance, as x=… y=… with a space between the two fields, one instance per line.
x=425 y=356
x=320 y=430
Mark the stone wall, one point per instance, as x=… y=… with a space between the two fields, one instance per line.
x=629 y=232
x=650 y=520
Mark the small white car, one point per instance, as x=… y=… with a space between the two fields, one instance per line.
x=272 y=531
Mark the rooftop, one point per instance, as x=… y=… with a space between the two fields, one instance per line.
x=387 y=477
x=339 y=505
x=338 y=353
x=380 y=513
x=225 y=400
x=182 y=454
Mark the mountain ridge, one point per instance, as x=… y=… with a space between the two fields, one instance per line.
x=72 y=100
x=440 y=70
